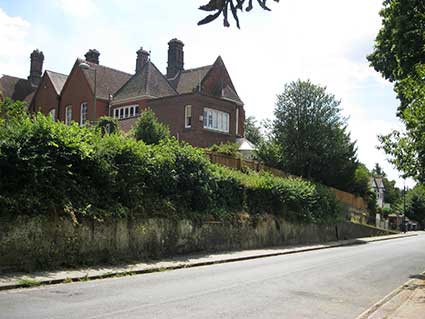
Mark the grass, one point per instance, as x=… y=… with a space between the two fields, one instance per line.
x=27 y=283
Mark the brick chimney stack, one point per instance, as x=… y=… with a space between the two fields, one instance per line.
x=92 y=56
x=142 y=59
x=175 y=58
x=36 y=67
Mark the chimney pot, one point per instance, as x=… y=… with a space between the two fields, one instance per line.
x=36 y=67
x=142 y=58
x=92 y=56
x=175 y=58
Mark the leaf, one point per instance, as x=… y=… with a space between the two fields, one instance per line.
x=210 y=18
x=213 y=5
x=226 y=8
x=262 y=4
x=234 y=13
x=249 y=8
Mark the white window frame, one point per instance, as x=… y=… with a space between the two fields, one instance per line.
x=216 y=120
x=84 y=110
x=68 y=114
x=188 y=116
x=125 y=112
x=52 y=114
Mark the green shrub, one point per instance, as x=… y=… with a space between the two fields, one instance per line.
x=149 y=130
x=47 y=166
x=229 y=149
x=107 y=125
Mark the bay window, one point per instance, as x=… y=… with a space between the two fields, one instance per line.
x=216 y=120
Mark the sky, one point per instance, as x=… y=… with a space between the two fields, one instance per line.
x=326 y=41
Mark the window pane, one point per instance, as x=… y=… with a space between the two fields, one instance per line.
x=137 y=110
x=126 y=112
x=131 y=110
x=121 y=113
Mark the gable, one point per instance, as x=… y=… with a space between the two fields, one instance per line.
x=149 y=82
x=217 y=82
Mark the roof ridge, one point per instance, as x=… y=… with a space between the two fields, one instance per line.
x=57 y=72
x=197 y=68
x=12 y=76
x=104 y=66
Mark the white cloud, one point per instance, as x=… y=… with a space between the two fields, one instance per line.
x=77 y=8
x=15 y=44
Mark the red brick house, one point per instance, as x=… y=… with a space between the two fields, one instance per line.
x=201 y=105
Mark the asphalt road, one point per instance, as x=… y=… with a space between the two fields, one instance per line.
x=332 y=283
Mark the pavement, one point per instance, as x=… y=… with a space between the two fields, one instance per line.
x=405 y=302
x=24 y=280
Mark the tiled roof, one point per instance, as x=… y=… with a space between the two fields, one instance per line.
x=230 y=94
x=108 y=80
x=58 y=80
x=187 y=81
x=16 y=88
x=148 y=82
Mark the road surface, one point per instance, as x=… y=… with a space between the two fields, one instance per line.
x=332 y=283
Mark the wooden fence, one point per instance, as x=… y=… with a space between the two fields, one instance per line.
x=348 y=199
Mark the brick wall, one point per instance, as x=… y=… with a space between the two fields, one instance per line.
x=170 y=110
x=45 y=97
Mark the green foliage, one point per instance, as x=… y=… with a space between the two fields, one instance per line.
x=415 y=204
x=149 y=130
x=294 y=199
x=399 y=46
x=229 y=149
x=309 y=137
x=405 y=149
x=252 y=131
x=49 y=167
x=107 y=125
x=392 y=193
x=12 y=110
x=360 y=184
x=371 y=202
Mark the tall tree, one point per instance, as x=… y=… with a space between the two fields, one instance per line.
x=399 y=55
x=406 y=149
x=252 y=131
x=378 y=171
x=399 y=46
x=311 y=135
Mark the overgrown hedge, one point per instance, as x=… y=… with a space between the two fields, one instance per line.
x=50 y=167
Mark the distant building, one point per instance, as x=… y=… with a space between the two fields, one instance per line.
x=377 y=185
x=200 y=105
